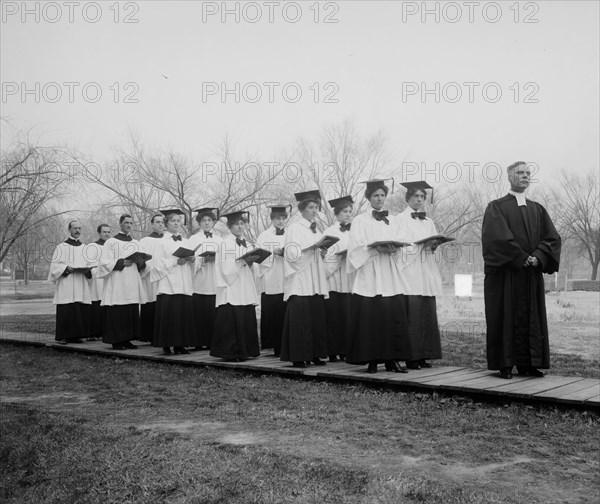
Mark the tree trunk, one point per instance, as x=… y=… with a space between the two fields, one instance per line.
x=595 y=271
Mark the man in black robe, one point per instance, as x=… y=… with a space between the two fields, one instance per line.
x=520 y=243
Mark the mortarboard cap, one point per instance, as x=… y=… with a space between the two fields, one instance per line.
x=377 y=183
x=236 y=215
x=335 y=202
x=208 y=210
x=313 y=194
x=419 y=184
x=280 y=208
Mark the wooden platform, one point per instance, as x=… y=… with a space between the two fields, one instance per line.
x=569 y=390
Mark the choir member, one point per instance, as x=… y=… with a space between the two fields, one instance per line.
x=304 y=337
x=338 y=306
x=149 y=244
x=123 y=288
x=272 y=305
x=174 y=321
x=235 y=337
x=205 y=289
x=93 y=254
x=379 y=323
x=423 y=279
x=70 y=272
x=520 y=243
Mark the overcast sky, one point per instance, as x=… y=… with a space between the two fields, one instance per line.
x=372 y=66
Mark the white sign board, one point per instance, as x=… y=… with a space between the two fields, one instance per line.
x=463 y=285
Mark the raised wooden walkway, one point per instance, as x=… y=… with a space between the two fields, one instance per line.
x=569 y=390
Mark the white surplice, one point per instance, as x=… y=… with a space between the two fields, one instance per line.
x=419 y=266
x=376 y=274
x=170 y=277
x=271 y=269
x=235 y=279
x=123 y=287
x=93 y=254
x=149 y=245
x=205 y=277
x=75 y=287
x=304 y=271
x=335 y=265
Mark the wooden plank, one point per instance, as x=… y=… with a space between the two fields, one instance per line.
x=593 y=401
x=445 y=377
x=567 y=389
x=539 y=384
x=450 y=382
x=580 y=396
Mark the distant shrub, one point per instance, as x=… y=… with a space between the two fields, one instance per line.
x=584 y=285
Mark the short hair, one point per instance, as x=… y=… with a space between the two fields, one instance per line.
x=208 y=213
x=514 y=165
x=99 y=228
x=123 y=217
x=341 y=206
x=71 y=223
x=304 y=203
x=230 y=223
x=412 y=191
x=369 y=191
x=155 y=216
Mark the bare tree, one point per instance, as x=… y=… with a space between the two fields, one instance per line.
x=578 y=214
x=33 y=180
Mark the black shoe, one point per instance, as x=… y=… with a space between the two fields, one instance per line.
x=91 y=338
x=332 y=358
x=318 y=362
x=118 y=346
x=413 y=365
x=530 y=371
x=77 y=341
x=506 y=373
x=372 y=368
x=167 y=351
x=342 y=357
x=307 y=363
x=180 y=350
x=424 y=364
x=300 y=364
x=394 y=368
x=129 y=345
x=63 y=342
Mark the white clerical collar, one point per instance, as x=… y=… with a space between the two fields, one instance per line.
x=521 y=201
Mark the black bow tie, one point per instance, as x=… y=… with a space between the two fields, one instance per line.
x=344 y=227
x=418 y=215
x=313 y=227
x=279 y=231
x=241 y=242
x=381 y=216
x=208 y=234
x=176 y=238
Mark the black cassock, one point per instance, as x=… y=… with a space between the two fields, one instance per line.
x=515 y=308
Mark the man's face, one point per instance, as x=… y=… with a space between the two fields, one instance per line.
x=278 y=221
x=75 y=229
x=158 y=226
x=126 y=225
x=105 y=233
x=519 y=178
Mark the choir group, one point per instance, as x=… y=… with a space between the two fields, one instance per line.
x=361 y=291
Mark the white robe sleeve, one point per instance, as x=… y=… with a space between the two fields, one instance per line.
x=164 y=264
x=358 y=251
x=58 y=264
x=296 y=260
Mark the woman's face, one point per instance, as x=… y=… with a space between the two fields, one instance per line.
x=345 y=216
x=377 y=199
x=174 y=224
x=238 y=228
x=311 y=211
x=417 y=200
x=278 y=221
x=206 y=223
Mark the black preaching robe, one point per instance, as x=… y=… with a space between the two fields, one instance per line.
x=515 y=308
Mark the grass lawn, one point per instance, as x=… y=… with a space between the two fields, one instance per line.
x=77 y=428
x=36 y=289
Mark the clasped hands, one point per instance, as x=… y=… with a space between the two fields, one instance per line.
x=532 y=261
x=184 y=260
